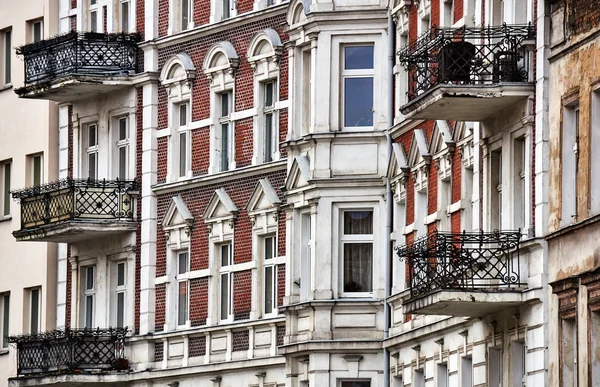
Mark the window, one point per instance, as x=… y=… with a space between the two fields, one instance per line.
x=34 y=164
x=125 y=16
x=92 y=151
x=35 y=307
x=517 y=359
x=225 y=130
x=357 y=85
x=306 y=257
x=442 y=375
x=269 y=251
x=37 y=30
x=496 y=190
x=227 y=8
x=226 y=282
x=4 y=319
x=119 y=280
x=88 y=296
x=495 y=367
x=568 y=351
x=183 y=139
x=466 y=371
x=122 y=148
x=186 y=11
x=356 y=384
x=5 y=175
x=7 y=56
x=448 y=13
x=594 y=348
x=519 y=183
x=570 y=157
x=595 y=153
x=183 y=288
x=269 y=139
x=94 y=21
x=307 y=90
x=357 y=247
x=444 y=200
x=420 y=212
x=419 y=378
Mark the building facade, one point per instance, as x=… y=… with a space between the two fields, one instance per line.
x=573 y=197
x=28 y=158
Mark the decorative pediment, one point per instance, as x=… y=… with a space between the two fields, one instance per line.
x=264 y=52
x=463 y=133
x=263 y=198
x=297 y=11
x=442 y=148
x=220 y=208
x=398 y=172
x=221 y=62
x=178 y=69
x=177 y=215
x=419 y=151
x=299 y=174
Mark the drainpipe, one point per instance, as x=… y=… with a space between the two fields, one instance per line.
x=391 y=28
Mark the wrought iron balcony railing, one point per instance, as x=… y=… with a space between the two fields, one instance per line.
x=71 y=199
x=84 y=53
x=463 y=261
x=466 y=56
x=71 y=350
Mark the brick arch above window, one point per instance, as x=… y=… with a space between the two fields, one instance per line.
x=178 y=68
x=221 y=62
x=265 y=47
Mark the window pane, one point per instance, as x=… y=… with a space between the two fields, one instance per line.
x=92 y=166
x=226 y=7
x=35 y=311
x=122 y=128
x=93 y=2
x=358 y=57
x=358 y=264
x=185 y=14
x=268 y=141
x=92 y=135
x=121 y=274
x=269 y=94
x=268 y=289
x=183 y=263
x=89 y=310
x=182 y=310
x=89 y=278
x=224 y=296
x=7 y=56
x=5 y=315
x=6 y=188
x=183 y=114
x=225 y=255
x=269 y=247
x=358 y=222
x=358 y=102
x=125 y=16
x=37 y=170
x=94 y=21
x=225 y=105
x=356 y=384
x=182 y=154
x=37 y=31
x=224 y=147
x=120 y=310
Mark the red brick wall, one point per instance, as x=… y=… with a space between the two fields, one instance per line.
x=242 y=294
x=140 y=13
x=435 y=13
x=163 y=17
x=198 y=301
x=159 y=319
x=459 y=9
x=69 y=285
x=280 y=284
x=201 y=13
x=240 y=341
x=104 y=18
x=138 y=169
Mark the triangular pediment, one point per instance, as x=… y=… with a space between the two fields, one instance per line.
x=220 y=207
x=462 y=131
x=178 y=214
x=442 y=138
x=263 y=198
x=419 y=150
x=299 y=174
x=398 y=161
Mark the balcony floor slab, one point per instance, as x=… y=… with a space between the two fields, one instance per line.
x=463 y=303
x=75 y=87
x=466 y=102
x=74 y=231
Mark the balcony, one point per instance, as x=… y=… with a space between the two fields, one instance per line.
x=72 y=210
x=467 y=74
x=464 y=274
x=71 y=351
x=78 y=65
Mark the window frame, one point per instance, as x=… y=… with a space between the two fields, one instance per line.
x=225 y=271
x=85 y=293
x=4 y=319
x=125 y=22
x=38 y=323
x=116 y=290
x=355 y=74
x=93 y=149
x=32 y=30
x=356 y=239
x=269 y=135
x=94 y=8
x=569 y=160
x=122 y=144
x=7 y=40
x=269 y=263
x=6 y=185
x=225 y=124
x=182 y=277
x=183 y=131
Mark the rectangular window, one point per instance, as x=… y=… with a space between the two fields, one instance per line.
x=269 y=140
x=120 y=289
x=226 y=277
x=495 y=367
x=88 y=287
x=517 y=349
x=448 y=13
x=34 y=310
x=466 y=371
x=269 y=249
x=183 y=120
x=357 y=84
x=306 y=253
x=36 y=170
x=185 y=14
x=226 y=9
x=442 y=375
x=37 y=31
x=356 y=383
x=568 y=351
x=225 y=128
x=5 y=175
x=123 y=145
x=125 y=16
x=7 y=60
x=270 y=2
x=183 y=287
x=418 y=378
x=595 y=153
x=4 y=319
x=519 y=183
x=496 y=190
x=93 y=10
x=420 y=212
x=92 y=151
x=306 y=90
x=444 y=200
x=570 y=156
x=594 y=348
x=357 y=248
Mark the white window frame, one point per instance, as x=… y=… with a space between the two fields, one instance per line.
x=87 y=293
x=228 y=272
x=6 y=185
x=183 y=131
x=91 y=148
x=34 y=326
x=117 y=290
x=7 y=55
x=355 y=73
x=355 y=239
x=269 y=264
x=32 y=160
x=225 y=120
x=125 y=22
x=183 y=277
x=122 y=144
x=4 y=319
x=32 y=26
x=569 y=161
x=306 y=255
x=94 y=8
x=495 y=177
x=270 y=135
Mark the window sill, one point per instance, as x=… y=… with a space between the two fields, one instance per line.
x=4 y=351
x=5 y=218
x=6 y=87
